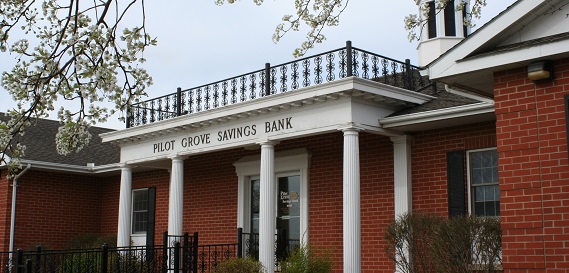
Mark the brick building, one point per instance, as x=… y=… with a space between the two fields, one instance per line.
x=331 y=155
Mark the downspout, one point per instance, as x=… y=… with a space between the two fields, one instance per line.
x=13 y=214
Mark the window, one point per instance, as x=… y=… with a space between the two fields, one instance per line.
x=140 y=211
x=432 y=21
x=483 y=182
x=450 y=27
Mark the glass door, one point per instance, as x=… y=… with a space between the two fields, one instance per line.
x=288 y=212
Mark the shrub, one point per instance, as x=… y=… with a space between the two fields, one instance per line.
x=426 y=243
x=306 y=259
x=239 y=265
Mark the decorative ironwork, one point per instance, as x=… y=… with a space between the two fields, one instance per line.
x=327 y=67
x=283 y=78
x=253 y=86
x=273 y=81
x=318 y=70
x=294 y=76
x=330 y=66
x=216 y=95
x=306 y=73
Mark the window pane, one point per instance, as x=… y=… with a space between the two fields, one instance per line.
x=255 y=204
x=489 y=193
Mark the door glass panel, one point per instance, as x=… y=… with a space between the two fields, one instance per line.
x=288 y=211
x=255 y=205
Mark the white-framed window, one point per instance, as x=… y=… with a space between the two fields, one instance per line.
x=140 y=211
x=484 y=193
x=291 y=171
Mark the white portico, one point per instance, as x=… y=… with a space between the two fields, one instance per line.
x=350 y=105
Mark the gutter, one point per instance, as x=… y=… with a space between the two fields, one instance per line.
x=13 y=214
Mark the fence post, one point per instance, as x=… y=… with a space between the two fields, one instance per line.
x=165 y=262
x=195 y=253
x=349 y=63
x=104 y=258
x=179 y=102
x=177 y=257
x=28 y=266
x=408 y=75
x=185 y=253
x=128 y=116
x=267 y=79
x=38 y=259
x=239 y=242
x=19 y=260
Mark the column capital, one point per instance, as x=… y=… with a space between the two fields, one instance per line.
x=350 y=128
x=267 y=142
x=404 y=139
x=178 y=157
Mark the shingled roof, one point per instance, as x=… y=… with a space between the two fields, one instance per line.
x=443 y=99
x=39 y=140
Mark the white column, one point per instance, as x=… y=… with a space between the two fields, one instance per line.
x=267 y=218
x=403 y=194
x=402 y=174
x=352 y=224
x=125 y=205
x=176 y=200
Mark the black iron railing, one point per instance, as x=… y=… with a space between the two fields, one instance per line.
x=326 y=67
x=248 y=245
x=176 y=254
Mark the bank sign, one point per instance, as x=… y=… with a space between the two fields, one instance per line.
x=221 y=136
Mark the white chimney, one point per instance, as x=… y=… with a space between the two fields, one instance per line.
x=443 y=30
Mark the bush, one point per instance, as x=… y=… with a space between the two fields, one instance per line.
x=426 y=243
x=306 y=259
x=239 y=265
x=92 y=241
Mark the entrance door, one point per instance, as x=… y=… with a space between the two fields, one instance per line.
x=288 y=212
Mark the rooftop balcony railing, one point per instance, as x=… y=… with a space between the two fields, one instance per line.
x=309 y=71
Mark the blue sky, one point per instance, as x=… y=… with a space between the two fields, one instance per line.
x=199 y=42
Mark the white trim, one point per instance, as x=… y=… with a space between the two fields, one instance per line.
x=436 y=115
x=292 y=161
x=452 y=90
x=42 y=165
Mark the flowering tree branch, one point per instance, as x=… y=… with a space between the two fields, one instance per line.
x=74 y=51
x=414 y=23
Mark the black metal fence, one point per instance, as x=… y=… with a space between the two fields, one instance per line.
x=176 y=254
x=326 y=67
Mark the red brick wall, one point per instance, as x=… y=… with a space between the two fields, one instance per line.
x=53 y=208
x=429 y=150
x=534 y=170
x=5 y=207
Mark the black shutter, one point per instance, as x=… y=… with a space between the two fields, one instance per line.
x=456 y=182
x=151 y=217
